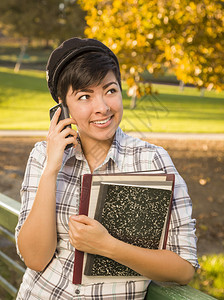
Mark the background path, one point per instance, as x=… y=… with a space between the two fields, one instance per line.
x=144 y=135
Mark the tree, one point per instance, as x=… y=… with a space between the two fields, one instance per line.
x=42 y=19
x=182 y=35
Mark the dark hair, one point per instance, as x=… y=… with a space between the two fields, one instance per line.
x=86 y=70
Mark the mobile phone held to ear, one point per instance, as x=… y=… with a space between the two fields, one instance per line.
x=64 y=115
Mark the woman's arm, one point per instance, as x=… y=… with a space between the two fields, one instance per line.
x=37 y=238
x=161 y=265
x=90 y=236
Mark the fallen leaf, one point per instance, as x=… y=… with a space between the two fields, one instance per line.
x=202 y=181
x=205 y=147
x=214 y=214
x=210 y=199
x=203 y=227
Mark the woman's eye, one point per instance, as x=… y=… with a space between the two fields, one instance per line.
x=111 y=91
x=84 y=97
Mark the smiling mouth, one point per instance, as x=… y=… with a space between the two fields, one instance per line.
x=103 y=121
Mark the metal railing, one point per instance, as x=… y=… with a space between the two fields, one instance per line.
x=9 y=211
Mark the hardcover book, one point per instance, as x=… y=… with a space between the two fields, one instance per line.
x=134 y=208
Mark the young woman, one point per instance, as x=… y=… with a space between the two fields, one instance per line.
x=84 y=74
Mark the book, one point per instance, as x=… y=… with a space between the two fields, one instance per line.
x=135 y=208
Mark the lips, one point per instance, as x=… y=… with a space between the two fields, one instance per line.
x=101 y=122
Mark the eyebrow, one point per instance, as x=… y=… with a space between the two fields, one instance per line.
x=109 y=83
x=86 y=90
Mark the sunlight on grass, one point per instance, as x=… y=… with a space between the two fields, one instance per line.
x=169 y=89
x=210 y=278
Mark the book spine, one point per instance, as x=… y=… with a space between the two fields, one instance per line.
x=172 y=178
x=83 y=210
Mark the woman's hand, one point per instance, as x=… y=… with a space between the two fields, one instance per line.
x=88 y=235
x=57 y=140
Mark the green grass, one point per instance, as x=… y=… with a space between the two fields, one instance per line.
x=25 y=101
x=210 y=278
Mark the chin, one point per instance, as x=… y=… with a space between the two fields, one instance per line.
x=105 y=138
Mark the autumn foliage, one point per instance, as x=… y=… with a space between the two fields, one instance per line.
x=184 y=36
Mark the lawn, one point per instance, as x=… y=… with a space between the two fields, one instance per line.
x=210 y=277
x=25 y=101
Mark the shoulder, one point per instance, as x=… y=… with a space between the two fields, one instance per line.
x=144 y=153
x=140 y=154
x=38 y=152
x=141 y=146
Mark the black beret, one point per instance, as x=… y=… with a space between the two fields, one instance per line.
x=68 y=50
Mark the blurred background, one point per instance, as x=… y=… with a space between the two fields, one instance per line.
x=172 y=64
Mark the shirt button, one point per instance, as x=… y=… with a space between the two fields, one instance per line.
x=77 y=291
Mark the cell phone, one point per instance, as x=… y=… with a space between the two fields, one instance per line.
x=63 y=115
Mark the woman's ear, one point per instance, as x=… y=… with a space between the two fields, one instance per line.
x=59 y=100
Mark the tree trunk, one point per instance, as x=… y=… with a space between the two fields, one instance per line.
x=133 y=99
x=181 y=85
x=20 y=58
x=133 y=102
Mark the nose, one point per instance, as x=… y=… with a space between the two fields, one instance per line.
x=100 y=105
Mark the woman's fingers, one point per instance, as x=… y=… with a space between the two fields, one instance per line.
x=55 y=118
x=59 y=136
x=87 y=234
x=68 y=130
x=59 y=131
x=69 y=136
x=64 y=124
x=82 y=219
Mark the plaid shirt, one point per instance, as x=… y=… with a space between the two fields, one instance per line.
x=127 y=154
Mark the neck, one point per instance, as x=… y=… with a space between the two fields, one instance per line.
x=96 y=152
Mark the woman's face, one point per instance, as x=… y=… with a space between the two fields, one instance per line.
x=97 y=110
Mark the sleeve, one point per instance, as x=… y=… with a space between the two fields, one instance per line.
x=34 y=168
x=181 y=236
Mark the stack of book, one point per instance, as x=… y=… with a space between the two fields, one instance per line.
x=134 y=208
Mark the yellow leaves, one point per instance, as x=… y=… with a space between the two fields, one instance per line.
x=211 y=32
x=138 y=89
x=150 y=35
x=165 y=20
x=218 y=69
x=190 y=39
x=130 y=81
x=154 y=33
x=197 y=71
x=116 y=4
x=143 y=89
x=147 y=88
x=168 y=53
x=156 y=20
x=141 y=40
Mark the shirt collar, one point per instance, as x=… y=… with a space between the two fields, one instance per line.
x=114 y=152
